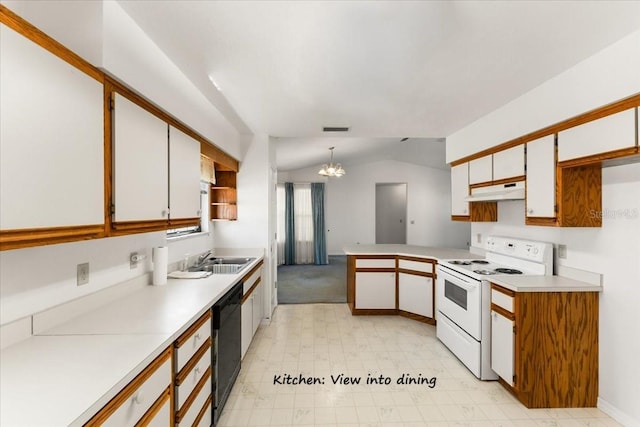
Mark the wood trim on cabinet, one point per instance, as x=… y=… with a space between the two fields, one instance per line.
x=598 y=158
x=417 y=259
x=155 y=408
x=375 y=270
x=541 y=221
x=188 y=367
x=108 y=409
x=498 y=182
x=483 y=211
x=31 y=32
x=502 y=290
x=557 y=349
x=129 y=227
x=253 y=270
x=186 y=335
x=418 y=317
x=183 y=222
x=501 y=311
x=465 y=218
x=194 y=394
x=374 y=311
x=203 y=410
x=580 y=196
x=250 y=291
x=28 y=237
x=374 y=256
x=415 y=272
x=597 y=113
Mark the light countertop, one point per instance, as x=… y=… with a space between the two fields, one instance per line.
x=69 y=372
x=519 y=283
x=411 y=250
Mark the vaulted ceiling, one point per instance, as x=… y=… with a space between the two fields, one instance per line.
x=385 y=69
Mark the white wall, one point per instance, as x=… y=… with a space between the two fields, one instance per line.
x=610 y=75
x=35 y=279
x=350 y=204
x=253 y=227
x=614 y=251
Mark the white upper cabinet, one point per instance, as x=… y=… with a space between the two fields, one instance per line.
x=599 y=136
x=51 y=139
x=541 y=177
x=459 y=189
x=481 y=170
x=141 y=175
x=508 y=163
x=184 y=175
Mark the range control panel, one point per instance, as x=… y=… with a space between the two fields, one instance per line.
x=523 y=249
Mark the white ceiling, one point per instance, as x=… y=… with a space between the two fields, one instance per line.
x=386 y=69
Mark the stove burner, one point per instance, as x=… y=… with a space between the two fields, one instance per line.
x=508 y=271
x=456 y=262
x=484 y=272
x=480 y=261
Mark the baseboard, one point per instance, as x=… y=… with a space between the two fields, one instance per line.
x=615 y=413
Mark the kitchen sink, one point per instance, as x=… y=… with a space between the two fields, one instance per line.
x=223 y=265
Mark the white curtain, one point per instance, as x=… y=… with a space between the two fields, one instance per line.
x=303 y=219
x=304 y=223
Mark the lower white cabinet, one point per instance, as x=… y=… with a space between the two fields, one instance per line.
x=375 y=290
x=502 y=346
x=251 y=311
x=415 y=294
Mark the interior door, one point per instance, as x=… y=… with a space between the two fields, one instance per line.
x=391 y=213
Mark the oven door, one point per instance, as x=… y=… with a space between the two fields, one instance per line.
x=459 y=297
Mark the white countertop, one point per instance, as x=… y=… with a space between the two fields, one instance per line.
x=411 y=250
x=67 y=373
x=519 y=283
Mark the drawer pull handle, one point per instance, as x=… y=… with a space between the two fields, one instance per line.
x=138 y=399
x=197 y=370
x=197 y=336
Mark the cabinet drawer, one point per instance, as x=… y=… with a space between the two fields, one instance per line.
x=201 y=399
x=186 y=383
x=502 y=300
x=193 y=338
x=251 y=280
x=131 y=404
x=425 y=267
x=375 y=263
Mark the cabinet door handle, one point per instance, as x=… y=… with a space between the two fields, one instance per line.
x=529 y=211
x=164 y=213
x=138 y=398
x=197 y=336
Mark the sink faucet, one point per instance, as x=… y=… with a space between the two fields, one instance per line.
x=203 y=257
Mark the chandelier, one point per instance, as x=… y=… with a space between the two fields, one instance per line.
x=332 y=169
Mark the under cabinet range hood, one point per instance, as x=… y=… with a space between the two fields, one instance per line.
x=507 y=191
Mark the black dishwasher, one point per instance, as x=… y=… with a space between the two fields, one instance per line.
x=227 y=326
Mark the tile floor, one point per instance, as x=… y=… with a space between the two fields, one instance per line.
x=324 y=340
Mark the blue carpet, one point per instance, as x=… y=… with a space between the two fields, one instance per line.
x=304 y=284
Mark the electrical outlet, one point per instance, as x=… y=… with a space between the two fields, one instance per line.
x=562 y=251
x=83 y=274
x=133 y=260
x=478 y=238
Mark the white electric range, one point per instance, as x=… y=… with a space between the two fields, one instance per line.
x=463 y=296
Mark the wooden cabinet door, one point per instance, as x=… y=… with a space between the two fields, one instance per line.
x=51 y=139
x=541 y=177
x=481 y=170
x=415 y=294
x=508 y=163
x=460 y=189
x=141 y=175
x=184 y=175
x=502 y=347
x=609 y=133
x=375 y=290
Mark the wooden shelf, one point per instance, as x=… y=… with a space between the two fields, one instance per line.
x=224 y=197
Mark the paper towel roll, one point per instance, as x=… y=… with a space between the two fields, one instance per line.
x=160 y=262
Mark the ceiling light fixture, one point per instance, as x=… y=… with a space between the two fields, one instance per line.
x=332 y=169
